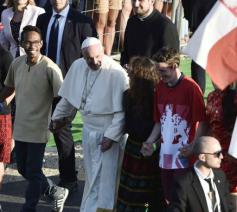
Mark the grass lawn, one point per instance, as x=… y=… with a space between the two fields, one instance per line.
x=186 y=69
x=76 y=131
x=77 y=123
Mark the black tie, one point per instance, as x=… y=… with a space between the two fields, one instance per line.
x=212 y=195
x=53 y=39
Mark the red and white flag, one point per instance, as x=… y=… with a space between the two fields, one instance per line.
x=214 y=44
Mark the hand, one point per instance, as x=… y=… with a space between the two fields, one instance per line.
x=185 y=151
x=125 y=66
x=147 y=149
x=106 y=144
x=56 y=125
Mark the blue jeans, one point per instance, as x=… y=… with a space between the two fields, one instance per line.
x=29 y=157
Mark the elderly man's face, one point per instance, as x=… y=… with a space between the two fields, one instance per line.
x=142 y=7
x=93 y=56
x=59 y=5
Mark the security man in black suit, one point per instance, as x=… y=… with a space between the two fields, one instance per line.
x=64 y=29
x=203 y=188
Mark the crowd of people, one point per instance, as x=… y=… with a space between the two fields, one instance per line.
x=149 y=141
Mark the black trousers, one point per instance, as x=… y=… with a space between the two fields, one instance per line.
x=29 y=158
x=199 y=76
x=66 y=152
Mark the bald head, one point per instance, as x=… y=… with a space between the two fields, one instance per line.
x=209 y=153
x=205 y=144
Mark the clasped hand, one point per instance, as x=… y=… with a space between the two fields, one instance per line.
x=147 y=149
x=56 y=125
x=106 y=144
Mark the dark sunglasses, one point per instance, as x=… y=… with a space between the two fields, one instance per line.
x=216 y=154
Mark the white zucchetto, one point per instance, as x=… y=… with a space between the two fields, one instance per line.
x=90 y=41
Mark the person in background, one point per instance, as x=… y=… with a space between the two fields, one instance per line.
x=123 y=19
x=5 y=116
x=221 y=111
x=167 y=8
x=62 y=44
x=105 y=16
x=18 y=14
x=204 y=188
x=139 y=187
x=195 y=11
x=158 y=5
x=36 y=81
x=147 y=32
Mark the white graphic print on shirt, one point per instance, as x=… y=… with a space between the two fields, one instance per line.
x=175 y=134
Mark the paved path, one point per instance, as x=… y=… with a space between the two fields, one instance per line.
x=12 y=198
x=12 y=193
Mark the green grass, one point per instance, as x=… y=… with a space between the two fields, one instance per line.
x=77 y=122
x=76 y=131
x=186 y=69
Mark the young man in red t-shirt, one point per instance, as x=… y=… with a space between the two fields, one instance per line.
x=179 y=107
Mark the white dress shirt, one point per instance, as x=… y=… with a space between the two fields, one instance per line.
x=62 y=21
x=206 y=188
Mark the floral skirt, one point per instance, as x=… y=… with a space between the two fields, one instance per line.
x=5 y=138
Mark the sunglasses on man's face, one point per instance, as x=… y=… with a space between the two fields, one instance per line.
x=216 y=154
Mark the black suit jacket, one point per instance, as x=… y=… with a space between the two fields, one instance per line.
x=188 y=195
x=77 y=28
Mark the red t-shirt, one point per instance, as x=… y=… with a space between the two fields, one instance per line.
x=178 y=109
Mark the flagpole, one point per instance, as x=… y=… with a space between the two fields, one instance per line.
x=233 y=143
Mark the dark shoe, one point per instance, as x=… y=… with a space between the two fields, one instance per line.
x=59 y=196
x=71 y=186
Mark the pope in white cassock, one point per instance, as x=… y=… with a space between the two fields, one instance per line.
x=94 y=85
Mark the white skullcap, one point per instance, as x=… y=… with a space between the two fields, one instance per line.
x=90 y=41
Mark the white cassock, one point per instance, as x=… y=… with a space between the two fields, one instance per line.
x=98 y=96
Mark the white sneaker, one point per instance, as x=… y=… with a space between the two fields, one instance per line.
x=59 y=196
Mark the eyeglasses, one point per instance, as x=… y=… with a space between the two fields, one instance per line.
x=216 y=154
x=33 y=43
